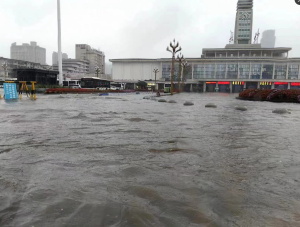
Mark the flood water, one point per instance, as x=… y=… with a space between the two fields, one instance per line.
x=85 y=160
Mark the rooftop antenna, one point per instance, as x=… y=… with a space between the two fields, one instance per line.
x=256 y=37
x=231 y=37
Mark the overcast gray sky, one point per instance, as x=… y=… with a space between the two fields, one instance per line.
x=140 y=28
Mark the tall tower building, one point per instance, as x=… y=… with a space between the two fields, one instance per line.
x=243 y=22
x=268 y=39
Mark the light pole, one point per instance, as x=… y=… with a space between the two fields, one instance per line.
x=59 y=45
x=97 y=69
x=174 y=49
x=185 y=66
x=5 y=66
x=179 y=59
x=155 y=71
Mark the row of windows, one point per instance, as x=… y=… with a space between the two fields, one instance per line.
x=244 y=29
x=257 y=71
x=245 y=36
x=244 y=24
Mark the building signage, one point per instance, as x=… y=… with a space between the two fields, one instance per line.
x=211 y=82
x=265 y=83
x=238 y=83
x=281 y=83
x=295 y=84
x=10 y=90
x=224 y=82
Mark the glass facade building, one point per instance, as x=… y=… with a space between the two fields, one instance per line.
x=293 y=72
x=241 y=64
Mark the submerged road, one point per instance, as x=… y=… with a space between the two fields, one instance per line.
x=85 y=160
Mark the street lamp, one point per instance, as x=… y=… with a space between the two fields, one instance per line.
x=174 y=49
x=179 y=59
x=155 y=71
x=59 y=44
x=97 y=69
x=5 y=66
x=185 y=66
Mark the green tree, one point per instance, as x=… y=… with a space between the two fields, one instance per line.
x=142 y=84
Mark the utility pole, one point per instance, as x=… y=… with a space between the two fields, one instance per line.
x=174 y=49
x=59 y=45
x=155 y=71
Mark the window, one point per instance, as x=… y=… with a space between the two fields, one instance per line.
x=255 y=71
x=267 y=71
x=166 y=71
x=280 y=71
x=199 y=71
x=221 y=71
x=188 y=72
x=293 y=72
x=244 y=71
x=232 y=71
x=210 y=70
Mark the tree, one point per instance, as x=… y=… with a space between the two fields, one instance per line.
x=142 y=84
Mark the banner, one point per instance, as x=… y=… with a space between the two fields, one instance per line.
x=10 y=90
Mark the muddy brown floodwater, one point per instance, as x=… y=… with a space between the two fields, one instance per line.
x=85 y=160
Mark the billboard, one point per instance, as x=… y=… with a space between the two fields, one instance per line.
x=10 y=90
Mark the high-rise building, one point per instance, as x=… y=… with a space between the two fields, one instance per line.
x=95 y=57
x=268 y=39
x=73 y=68
x=28 y=52
x=243 y=22
x=55 y=57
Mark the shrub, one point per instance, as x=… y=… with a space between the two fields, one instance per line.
x=271 y=95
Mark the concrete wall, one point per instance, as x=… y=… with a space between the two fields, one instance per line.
x=135 y=70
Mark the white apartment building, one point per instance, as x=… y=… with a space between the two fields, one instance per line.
x=95 y=58
x=73 y=68
x=28 y=52
x=55 y=57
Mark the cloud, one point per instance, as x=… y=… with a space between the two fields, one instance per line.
x=135 y=28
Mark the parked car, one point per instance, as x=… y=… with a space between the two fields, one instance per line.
x=75 y=86
x=114 y=88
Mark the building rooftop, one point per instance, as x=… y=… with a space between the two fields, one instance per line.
x=235 y=47
x=245 y=4
x=133 y=59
